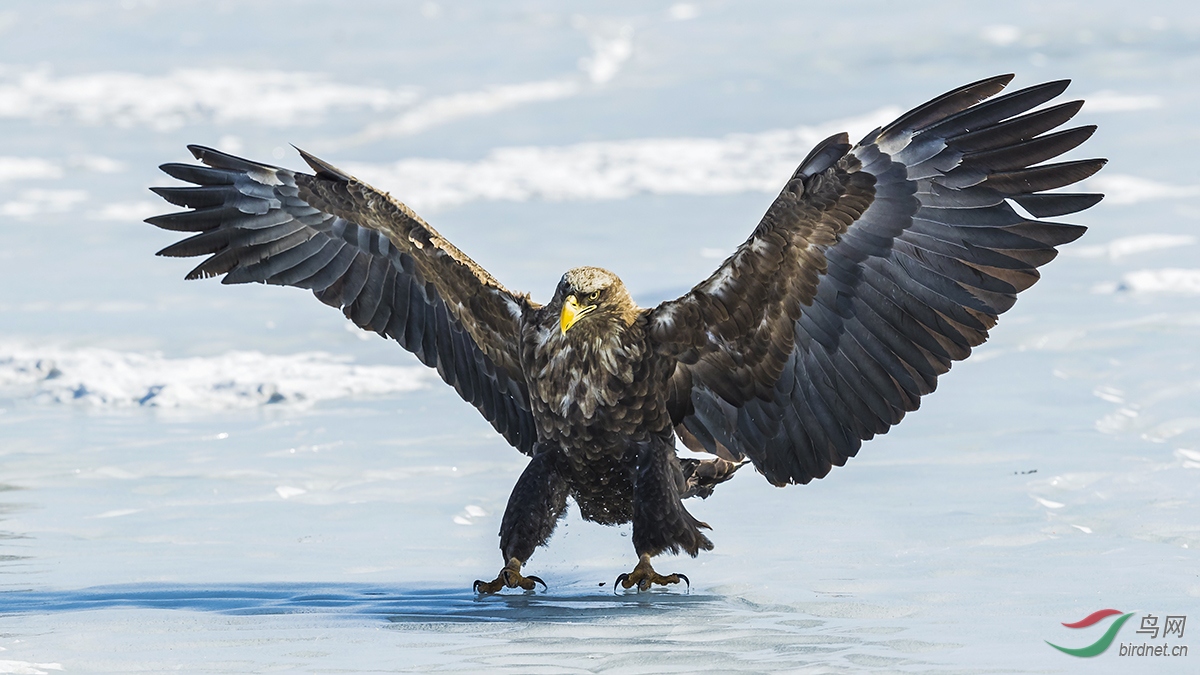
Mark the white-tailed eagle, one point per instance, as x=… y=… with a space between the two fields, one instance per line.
x=879 y=265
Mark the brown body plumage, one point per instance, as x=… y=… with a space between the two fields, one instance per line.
x=878 y=266
x=596 y=392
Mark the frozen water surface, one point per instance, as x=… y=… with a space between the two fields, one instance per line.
x=213 y=479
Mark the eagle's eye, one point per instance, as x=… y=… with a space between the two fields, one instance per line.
x=593 y=295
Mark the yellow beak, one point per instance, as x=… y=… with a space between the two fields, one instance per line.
x=572 y=312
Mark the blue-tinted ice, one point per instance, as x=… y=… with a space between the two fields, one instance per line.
x=221 y=479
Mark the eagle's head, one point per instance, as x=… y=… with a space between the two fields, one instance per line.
x=595 y=299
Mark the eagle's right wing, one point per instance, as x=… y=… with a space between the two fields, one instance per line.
x=360 y=250
x=878 y=266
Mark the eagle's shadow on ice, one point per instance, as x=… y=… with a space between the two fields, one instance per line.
x=388 y=603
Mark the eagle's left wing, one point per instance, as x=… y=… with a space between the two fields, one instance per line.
x=362 y=251
x=877 y=266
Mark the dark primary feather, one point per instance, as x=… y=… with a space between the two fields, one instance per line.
x=876 y=268
x=359 y=250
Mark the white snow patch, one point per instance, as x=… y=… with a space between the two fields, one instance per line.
x=116 y=513
x=1000 y=35
x=287 y=491
x=1125 y=189
x=96 y=163
x=1167 y=280
x=182 y=97
x=28 y=168
x=1111 y=101
x=230 y=143
x=1165 y=431
x=758 y=162
x=682 y=11
x=11 y=667
x=104 y=377
x=40 y=168
x=1117 y=422
x=1142 y=243
x=128 y=211
x=1189 y=458
x=610 y=50
x=1049 y=504
x=446 y=109
x=32 y=203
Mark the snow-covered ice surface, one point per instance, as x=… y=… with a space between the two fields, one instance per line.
x=211 y=479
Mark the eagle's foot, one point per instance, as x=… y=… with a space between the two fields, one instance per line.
x=643 y=576
x=509 y=577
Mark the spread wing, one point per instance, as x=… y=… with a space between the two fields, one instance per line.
x=359 y=250
x=878 y=266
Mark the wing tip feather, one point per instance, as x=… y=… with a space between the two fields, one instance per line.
x=824 y=155
x=322 y=168
x=949 y=103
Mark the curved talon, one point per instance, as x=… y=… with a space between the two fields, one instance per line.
x=509 y=577
x=488 y=587
x=644 y=577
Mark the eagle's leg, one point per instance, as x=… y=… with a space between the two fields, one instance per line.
x=509 y=577
x=534 y=508
x=660 y=523
x=644 y=576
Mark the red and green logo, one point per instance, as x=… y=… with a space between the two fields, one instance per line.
x=1105 y=640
